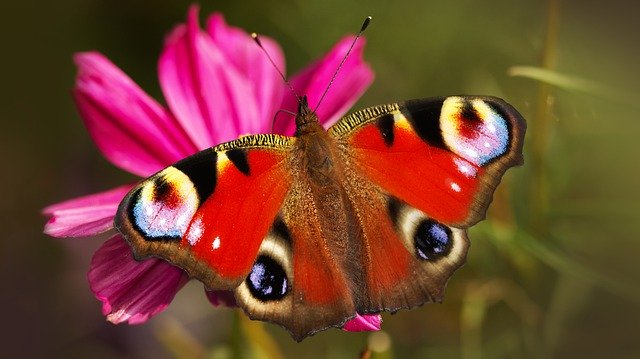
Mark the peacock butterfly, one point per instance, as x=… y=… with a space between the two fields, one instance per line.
x=367 y=216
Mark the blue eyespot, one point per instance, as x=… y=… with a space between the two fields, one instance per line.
x=267 y=280
x=432 y=240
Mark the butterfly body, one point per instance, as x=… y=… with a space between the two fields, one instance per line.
x=367 y=216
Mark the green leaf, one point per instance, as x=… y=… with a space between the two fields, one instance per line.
x=574 y=83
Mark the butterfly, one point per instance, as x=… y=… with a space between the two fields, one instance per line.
x=370 y=215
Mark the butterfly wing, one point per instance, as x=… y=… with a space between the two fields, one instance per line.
x=444 y=156
x=420 y=173
x=296 y=282
x=220 y=215
x=210 y=212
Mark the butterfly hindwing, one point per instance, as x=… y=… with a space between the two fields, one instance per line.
x=296 y=282
x=209 y=213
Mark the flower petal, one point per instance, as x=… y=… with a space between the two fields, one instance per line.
x=354 y=78
x=241 y=50
x=363 y=323
x=84 y=216
x=221 y=298
x=132 y=291
x=209 y=97
x=130 y=128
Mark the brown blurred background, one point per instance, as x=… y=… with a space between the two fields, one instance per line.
x=552 y=272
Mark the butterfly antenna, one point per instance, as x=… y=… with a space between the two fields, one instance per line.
x=364 y=26
x=259 y=43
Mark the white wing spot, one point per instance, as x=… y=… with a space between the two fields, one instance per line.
x=216 y=243
x=195 y=232
x=465 y=168
x=183 y=221
x=471 y=152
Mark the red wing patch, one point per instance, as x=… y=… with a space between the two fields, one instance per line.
x=228 y=228
x=432 y=179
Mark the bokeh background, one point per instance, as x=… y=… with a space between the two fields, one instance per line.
x=552 y=272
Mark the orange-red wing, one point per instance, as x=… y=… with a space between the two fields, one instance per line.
x=209 y=213
x=443 y=156
x=299 y=280
x=407 y=257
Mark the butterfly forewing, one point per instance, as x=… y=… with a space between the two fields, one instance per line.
x=444 y=156
x=210 y=212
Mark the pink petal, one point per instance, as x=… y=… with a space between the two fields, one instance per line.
x=354 y=78
x=131 y=129
x=241 y=50
x=364 y=323
x=211 y=99
x=221 y=298
x=132 y=291
x=85 y=216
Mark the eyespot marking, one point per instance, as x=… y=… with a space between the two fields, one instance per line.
x=473 y=130
x=162 y=207
x=270 y=279
x=426 y=238
x=432 y=240
x=267 y=280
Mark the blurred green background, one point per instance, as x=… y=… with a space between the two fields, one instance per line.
x=552 y=272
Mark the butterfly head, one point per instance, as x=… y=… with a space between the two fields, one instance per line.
x=306 y=119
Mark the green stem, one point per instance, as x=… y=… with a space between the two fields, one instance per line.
x=237 y=338
x=540 y=128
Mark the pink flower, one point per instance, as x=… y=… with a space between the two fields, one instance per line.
x=218 y=85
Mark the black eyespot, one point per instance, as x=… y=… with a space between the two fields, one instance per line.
x=432 y=240
x=267 y=280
